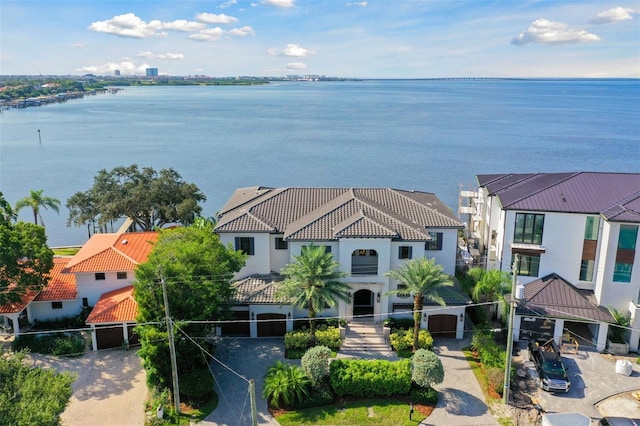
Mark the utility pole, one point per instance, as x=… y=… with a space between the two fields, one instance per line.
x=172 y=348
x=512 y=312
x=252 y=395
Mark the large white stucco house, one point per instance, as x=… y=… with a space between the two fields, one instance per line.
x=369 y=231
x=576 y=235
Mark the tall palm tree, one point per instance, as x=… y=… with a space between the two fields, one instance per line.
x=424 y=279
x=35 y=200
x=490 y=286
x=313 y=282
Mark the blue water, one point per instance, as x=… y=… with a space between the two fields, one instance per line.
x=423 y=135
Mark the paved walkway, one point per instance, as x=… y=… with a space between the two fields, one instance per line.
x=461 y=400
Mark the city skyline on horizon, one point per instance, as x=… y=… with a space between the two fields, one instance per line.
x=348 y=39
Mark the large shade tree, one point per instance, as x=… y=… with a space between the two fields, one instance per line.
x=149 y=198
x=25 y=258
x=425 y=280
x=197 y=269
x=312 y=282
x=35 y=201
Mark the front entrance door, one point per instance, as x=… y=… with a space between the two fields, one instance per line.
x=363 y=303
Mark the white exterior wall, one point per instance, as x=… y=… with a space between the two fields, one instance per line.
x=259 y=262
x=447 y=256
x=277 y=258
x=88 y=287
x=42 y=311
x=608 y=292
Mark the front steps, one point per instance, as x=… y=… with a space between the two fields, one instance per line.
x=365 y=339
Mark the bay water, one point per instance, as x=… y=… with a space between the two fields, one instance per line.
x=427 y=135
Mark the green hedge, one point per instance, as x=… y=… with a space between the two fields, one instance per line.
x=55 y=344
x=403 y=340
x=370 y=378
x=300 y=340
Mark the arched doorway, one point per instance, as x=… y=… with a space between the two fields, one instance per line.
x=363 y=303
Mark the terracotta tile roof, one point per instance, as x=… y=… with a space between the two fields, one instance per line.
x=116 y=306
x=553 y=296
x=257 y=289
x=614 y=195
x=323 y=214
x=60 y=286
x=15 y=307
x=112 y=252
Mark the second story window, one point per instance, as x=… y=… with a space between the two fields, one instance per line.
x=121 y=275
x=529 y=266
x=435 y=243
x=626 y=253
x=405 y=252
x=281 y=244
x=100 y=276
x=364 y=262
x=246 y=245
x=589 y=246
x=528 y=228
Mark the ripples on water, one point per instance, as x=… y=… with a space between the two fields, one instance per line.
x=423 y=135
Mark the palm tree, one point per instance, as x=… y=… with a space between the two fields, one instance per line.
x=313 y=282
x=490 y=286
x=425 y=279
x=35 y=200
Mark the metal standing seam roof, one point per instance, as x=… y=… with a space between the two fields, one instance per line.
x=112 y=252
x=59 y=286
x=553 y=296
x=614 y=195
x=117 y=306
x=330 y=213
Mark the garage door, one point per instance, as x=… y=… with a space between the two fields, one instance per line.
x=271 y=325
x=109 y=337
x=239 y=328
x=443 y=325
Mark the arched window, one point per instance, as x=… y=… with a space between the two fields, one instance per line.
x=364 y=262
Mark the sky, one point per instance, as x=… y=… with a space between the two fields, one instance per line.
x=333 y=38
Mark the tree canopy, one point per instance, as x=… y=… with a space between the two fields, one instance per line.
x=150 y=199
x=424 y=279
x=25 y=258
x=31 y=396
x=34 y=201
x=313 y=282
x=197 y=269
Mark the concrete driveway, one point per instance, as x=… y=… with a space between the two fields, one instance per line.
x=593 y=380
x=110 y=387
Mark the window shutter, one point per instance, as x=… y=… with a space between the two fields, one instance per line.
x=237 y=243
x=409 y=252
x=251 y=247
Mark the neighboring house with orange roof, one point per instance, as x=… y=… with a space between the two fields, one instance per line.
x=113 y=318
x=59 y=299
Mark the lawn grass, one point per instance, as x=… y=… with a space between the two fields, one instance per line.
x=65 y=251
x=191 y=415
x=363 y=412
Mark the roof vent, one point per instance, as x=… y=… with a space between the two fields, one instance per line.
x=125 y=241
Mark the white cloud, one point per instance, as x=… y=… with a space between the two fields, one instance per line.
x=210 y=34
x=544 y=31
x=615 y=14
x=151 y=55
x=228 y=4
x=79 y=44
x=292 y=66
x=358 y=3
x=284 y=4
x=126 y=67
x=292 y=50
x=211 y=18
x=129 y=25
x=244 y=31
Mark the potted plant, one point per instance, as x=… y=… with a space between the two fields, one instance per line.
x=616 y=342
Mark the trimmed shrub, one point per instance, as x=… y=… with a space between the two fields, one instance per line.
x=427 y=368
x=315 y=363
x=55 y=344
x=403 y=340
x=399 y=323
x=329 y=338
x=72 y=345
x=370 y=378
x=425 y=396
x=299 y=340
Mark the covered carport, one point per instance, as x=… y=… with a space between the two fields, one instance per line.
x=555 y=308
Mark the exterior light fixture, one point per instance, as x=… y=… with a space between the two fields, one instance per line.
x=378 y=297
x=461 y=316
x=253 y=316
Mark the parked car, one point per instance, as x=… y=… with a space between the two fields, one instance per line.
x=545 y=354
x=619 y=421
